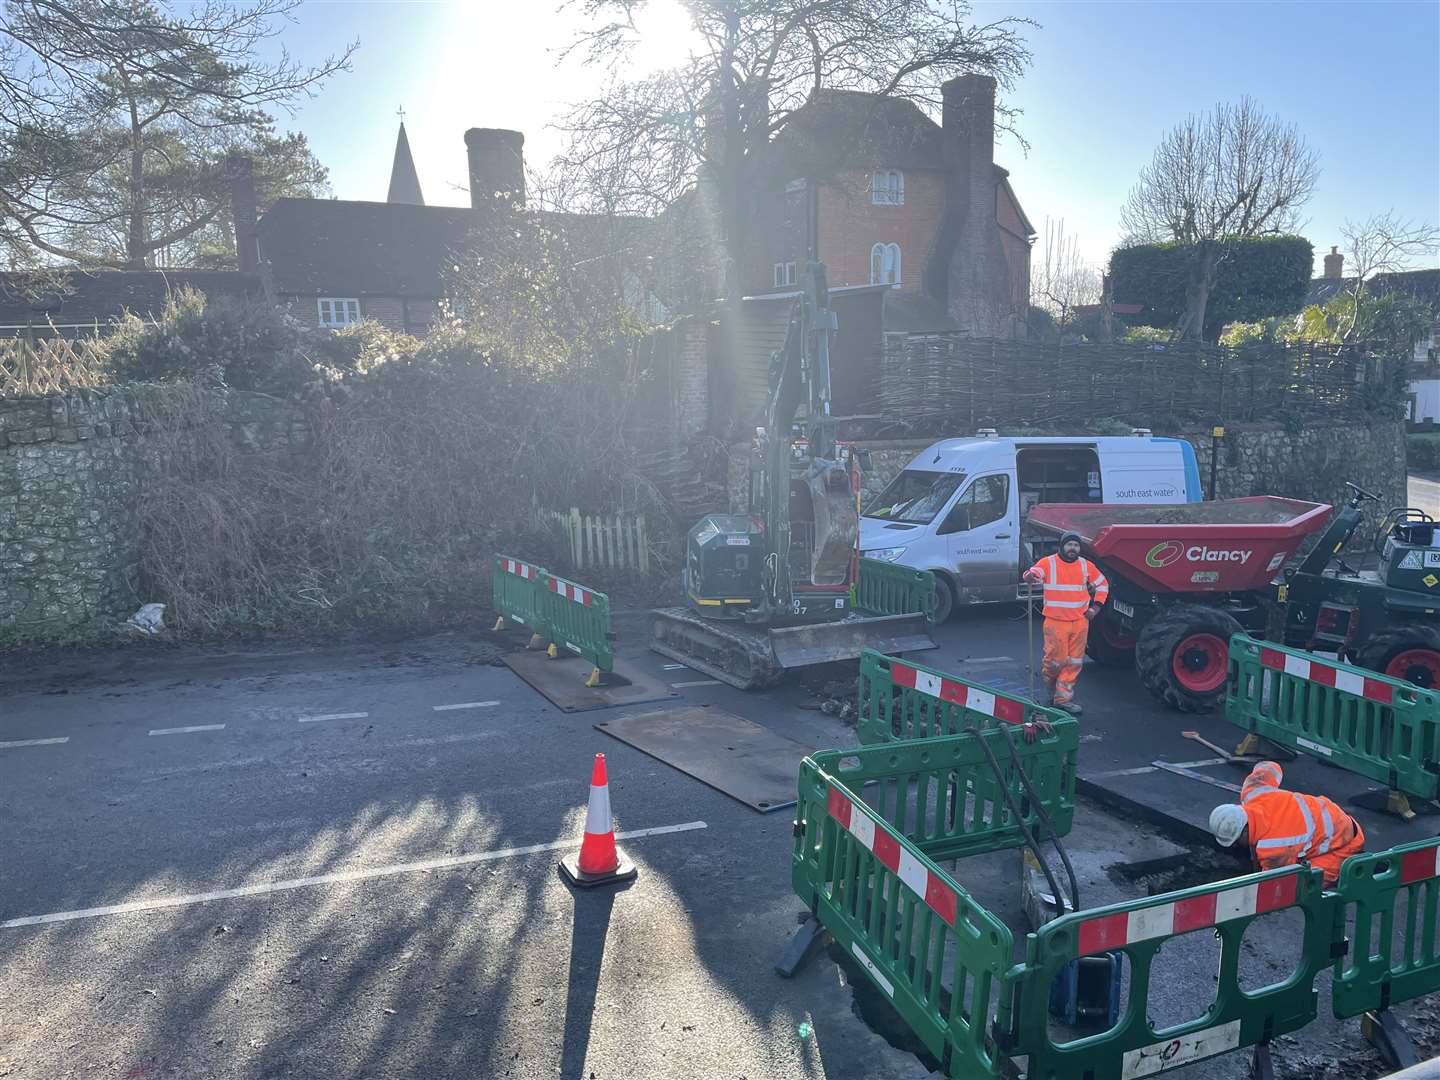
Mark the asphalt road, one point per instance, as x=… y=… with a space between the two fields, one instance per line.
x=341 y=864
x=165 y=776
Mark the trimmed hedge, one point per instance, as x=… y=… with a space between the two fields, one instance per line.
x=1259 y=277
x=1422 y=451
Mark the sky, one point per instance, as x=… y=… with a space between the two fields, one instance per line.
x=1361 y=81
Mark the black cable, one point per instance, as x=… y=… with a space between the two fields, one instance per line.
x=1030 y=839
x=1044 y=818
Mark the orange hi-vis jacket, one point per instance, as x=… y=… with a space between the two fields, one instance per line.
x=1287 y=827
x=1067 y=587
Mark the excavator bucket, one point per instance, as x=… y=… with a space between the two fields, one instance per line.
x=825 y=643
x=837 y=525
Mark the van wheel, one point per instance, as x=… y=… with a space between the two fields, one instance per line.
x=944 y=599
x=1183 y=656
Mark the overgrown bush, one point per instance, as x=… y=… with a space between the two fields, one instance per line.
x=418 y=468
x=244 y=345
x=1422 y=451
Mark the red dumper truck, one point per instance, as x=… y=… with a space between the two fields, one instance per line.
x=1184 y=578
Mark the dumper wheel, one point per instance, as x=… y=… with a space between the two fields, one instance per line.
x=1183 y=656
x=1109 y=643
x=1408 y=651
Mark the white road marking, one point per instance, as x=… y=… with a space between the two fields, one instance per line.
x=697 y=682
x=673 y=667
x=333 y=716
x=33 y=742
x=466 y=705
x=186 y=730
x=1140 y=770
x=340 y=878
x=989 y=660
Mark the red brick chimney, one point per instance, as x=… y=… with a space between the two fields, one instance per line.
x=242 y=210
x=497 y=166
x=1334 y=263
x=969 y=255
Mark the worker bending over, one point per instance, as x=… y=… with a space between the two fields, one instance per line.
x=1075 y=591
x=1286 y=827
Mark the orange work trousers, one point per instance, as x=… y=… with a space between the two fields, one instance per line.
x=1064 y=655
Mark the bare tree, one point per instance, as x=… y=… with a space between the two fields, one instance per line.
x=705 y=124
x=119 y=117
x=1381 y=244
x=1231 y=173
x=1064 y=280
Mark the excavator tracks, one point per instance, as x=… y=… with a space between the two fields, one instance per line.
x=732 y=652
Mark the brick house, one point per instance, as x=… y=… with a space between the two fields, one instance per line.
x=336 y=262
x=884 y=195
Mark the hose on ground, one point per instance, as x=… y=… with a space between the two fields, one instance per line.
x=1031 y=840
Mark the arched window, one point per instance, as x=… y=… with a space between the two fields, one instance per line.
x=885 y=265
x=887 y=187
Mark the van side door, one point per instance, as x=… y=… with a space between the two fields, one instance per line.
x=981 y=539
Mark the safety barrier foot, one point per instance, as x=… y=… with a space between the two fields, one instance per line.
x=535 y=641
x=594 y=679
x=1249 y=746
x=499 y=625
x=553 y=651
x=1262 y=1066
x=1397 y=802
x=799 y=947
x=1384 y=1031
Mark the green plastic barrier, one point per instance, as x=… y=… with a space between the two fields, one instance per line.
x=578 y=619
x=884 y=588
x=1236 y=1018
x=515 y=587
x=900 y=699
x=866 y=871
x=1382 y=728
x=1377 y=895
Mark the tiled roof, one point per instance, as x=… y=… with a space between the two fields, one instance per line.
x=90 y=297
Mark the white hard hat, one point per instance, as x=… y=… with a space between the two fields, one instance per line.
x=1227 y=823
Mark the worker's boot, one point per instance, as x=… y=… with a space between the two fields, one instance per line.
x=1071 y=707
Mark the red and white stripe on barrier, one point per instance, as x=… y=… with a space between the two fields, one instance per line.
x=1420 y=865
x=1349 y=682
x=571 y=591
x=880 y=841
x=957 y=693
x=520 y=569
x=1179 y=916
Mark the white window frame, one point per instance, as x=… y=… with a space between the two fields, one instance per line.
x=784 y=274
x=887 y=187
x=338 y=312
x=885 y=265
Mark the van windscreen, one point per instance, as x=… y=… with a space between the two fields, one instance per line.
x=915 y=496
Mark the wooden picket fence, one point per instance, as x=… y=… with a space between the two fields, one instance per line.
x=613 y=541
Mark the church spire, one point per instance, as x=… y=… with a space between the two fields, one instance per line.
x=404 y=182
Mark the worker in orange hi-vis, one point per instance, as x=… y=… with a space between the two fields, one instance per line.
x=1287 y=827
x=1075 y=591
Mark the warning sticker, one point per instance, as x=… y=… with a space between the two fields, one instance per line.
x=1431 y=580
x=1172 y=1053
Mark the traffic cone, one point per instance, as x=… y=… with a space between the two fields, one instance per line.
x=599 y=861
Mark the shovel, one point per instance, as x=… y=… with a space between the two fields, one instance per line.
x=1233 y=759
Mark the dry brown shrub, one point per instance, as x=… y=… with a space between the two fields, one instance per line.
x=415 y=473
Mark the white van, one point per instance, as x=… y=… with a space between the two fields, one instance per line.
x=959 y=508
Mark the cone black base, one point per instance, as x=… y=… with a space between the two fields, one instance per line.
x=570 y=868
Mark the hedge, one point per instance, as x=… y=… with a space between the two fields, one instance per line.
x=1258 y=277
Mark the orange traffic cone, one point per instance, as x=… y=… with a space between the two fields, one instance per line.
x=599 y=861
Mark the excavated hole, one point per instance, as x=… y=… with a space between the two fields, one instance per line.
x=873 y=1008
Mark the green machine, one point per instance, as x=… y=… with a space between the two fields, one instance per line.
x=1386 y=619
x=773 y=589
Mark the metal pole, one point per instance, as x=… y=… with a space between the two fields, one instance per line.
x=1216 y=434
x=1030 y=637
